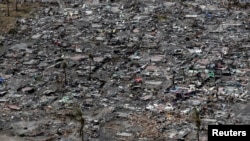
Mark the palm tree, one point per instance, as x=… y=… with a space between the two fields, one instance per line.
x=197 y=120
x=77 y=115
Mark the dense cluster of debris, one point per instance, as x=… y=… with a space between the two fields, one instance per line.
x=135 y=69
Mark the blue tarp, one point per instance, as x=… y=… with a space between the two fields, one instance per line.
x=1 y=80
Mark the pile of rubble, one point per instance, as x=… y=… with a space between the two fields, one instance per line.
x=136 y=69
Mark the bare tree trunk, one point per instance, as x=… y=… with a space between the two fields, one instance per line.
x=198 y=135
x=89 y=70
x=16 y=5
x=8 y=7
x=65 y=77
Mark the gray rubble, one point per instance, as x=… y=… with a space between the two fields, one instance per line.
x=135 y=68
